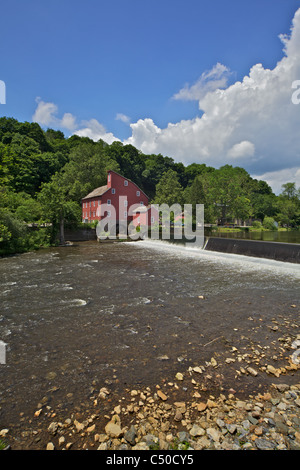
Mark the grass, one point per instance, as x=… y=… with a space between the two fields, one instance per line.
x=2 y=445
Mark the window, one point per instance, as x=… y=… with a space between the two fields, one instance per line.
x=113 y=191
x=142 y=203
x=125 y=183
x=138 y=193
x=125 y=203
x=108 y=201
x=152 y=219
x=125 y=213
x=94 y=214
x=94 y=203
x=108 y=213
x=90 y=204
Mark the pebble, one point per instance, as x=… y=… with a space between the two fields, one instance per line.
x=262 y=422
x=184 y=415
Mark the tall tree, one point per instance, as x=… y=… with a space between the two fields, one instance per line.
x=222 y=188
x=169 y=191
x=57 y=206
x=289 y=205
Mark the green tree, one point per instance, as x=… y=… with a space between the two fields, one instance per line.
x=53 y=200
x=289 y=206
x=155 y=167
x=169 y=191
x=223 y=187
x=242 y=208
x=289 y=191
x=195 y=193
x=86 y=170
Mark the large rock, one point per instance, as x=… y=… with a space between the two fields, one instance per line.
x=213 y=434
x=263 y=444
x=197 y=431
x=113 y=428
x=130 y=435
x=141 y=446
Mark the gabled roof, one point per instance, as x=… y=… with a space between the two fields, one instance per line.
x=102 y=189
x=97 y=192
x=124 y=177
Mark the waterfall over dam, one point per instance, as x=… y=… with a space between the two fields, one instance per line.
x=279 y=251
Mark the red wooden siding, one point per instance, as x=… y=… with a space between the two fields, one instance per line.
x=117 y=186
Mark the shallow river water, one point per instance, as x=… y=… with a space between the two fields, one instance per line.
x=130 y=314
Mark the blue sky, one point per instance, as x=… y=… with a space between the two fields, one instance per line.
x=147 y=73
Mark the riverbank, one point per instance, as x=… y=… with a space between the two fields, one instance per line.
x=189 y=411
x=164 y=418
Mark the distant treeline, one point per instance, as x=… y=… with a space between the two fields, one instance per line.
x=44 y=176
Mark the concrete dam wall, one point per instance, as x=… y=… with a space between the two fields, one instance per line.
x=80 y=234
x=289 y=252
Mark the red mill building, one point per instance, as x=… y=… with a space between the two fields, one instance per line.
x=120 y=193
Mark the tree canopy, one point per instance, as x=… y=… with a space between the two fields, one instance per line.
x=44 y=176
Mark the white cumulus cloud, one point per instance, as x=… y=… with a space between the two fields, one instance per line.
x=209 y=81
x=123 y=118
x=275 y=179
x=46 y=115
x=95 y=131
x=242 y=149
x=252 y=123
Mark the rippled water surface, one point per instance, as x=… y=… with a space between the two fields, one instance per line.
x=127 y=314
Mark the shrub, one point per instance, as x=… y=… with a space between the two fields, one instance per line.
x=269 y=224
x=257 y=224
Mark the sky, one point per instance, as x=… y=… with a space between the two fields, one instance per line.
x=199 y=81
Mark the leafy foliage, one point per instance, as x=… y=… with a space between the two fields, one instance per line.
x=44 y=176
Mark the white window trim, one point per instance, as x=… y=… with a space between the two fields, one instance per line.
x=109 y=202
x=138 y=193
x=125 y=183
x=113 y=190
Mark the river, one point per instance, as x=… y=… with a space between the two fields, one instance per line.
x=130 y=314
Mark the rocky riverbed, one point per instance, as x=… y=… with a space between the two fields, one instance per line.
x=182 y=414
